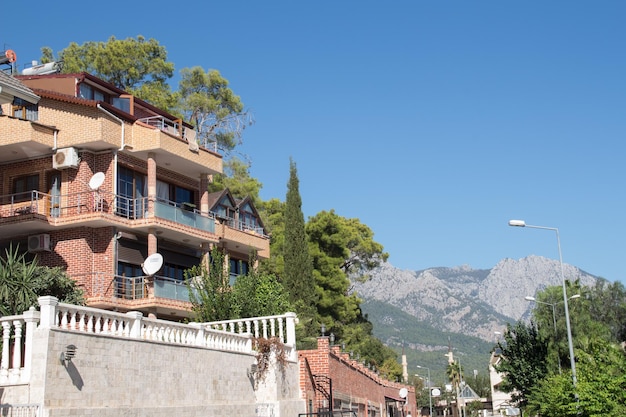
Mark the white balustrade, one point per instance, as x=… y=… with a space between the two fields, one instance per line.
x=17 y=337
x=229 y=335
x=282 y=327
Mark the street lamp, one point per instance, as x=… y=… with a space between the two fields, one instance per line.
x=430 y=396
x=553 y=305
x=522 y=223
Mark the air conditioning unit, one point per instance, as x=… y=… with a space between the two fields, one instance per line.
x=65 y=158
x=39 y=243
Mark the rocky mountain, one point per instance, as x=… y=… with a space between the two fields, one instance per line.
x=428 y=310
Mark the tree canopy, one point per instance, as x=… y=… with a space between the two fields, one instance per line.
x=531 y=353
x=215 y=298
x=140 y=67
x=215 y=110
x=523 y=364
x=136 y=65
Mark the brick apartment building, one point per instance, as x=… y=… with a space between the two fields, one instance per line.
x=97 y=181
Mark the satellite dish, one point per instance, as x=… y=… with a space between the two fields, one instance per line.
x=152 y=264
x=96 y=180
x=436 y=392
x=403 y=392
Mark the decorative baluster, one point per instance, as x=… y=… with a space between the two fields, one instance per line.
x=98 y=323
x=73 y=320
x=81 y=322
x=6 y=337
x=63 y=318
x=126 y=329
x=90 y=324
x=264 y=321
x=106 y=325
x=17 y=346
x=272 y=327
x=256 y=329
x=281 y=333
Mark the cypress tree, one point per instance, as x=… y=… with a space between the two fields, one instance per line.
x=298 y=270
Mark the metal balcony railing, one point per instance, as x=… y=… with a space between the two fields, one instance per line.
x=134 y=288
x=67 y=205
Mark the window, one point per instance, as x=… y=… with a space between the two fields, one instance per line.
x=129 y=281
x=225 y=209
x=247 y=217
x=170 y=192
x=85 y=91
x=88 y=92
x=24 y=185
x=131 y=186
x=182 y=195
x=25 y=110
x=121 y=103
x=175 y=272
x=237 y=268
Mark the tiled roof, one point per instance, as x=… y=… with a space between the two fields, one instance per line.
x=13 y=86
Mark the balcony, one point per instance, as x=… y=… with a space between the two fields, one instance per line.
x=135 y=288
x=234 y=232
x=162 y=295
x=174 y=128
x=23 y=139
x=174 y=146
x=36 y=211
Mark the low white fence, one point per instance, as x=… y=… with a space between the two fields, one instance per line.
x=231 y=335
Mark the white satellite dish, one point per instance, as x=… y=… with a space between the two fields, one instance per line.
x=403 y=392
x=152 y=264
x=96 y=181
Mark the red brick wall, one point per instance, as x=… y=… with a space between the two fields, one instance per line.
x=85 y=254
x=349 y=378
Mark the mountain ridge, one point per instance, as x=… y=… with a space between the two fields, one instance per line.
x=426 y=312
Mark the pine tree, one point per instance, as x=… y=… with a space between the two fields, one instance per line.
x=298 y=270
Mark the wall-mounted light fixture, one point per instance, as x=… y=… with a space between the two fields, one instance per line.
x=332 y=338
x=68 y=354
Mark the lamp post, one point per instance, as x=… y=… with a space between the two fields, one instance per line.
x=553 y=305
x=522 y=223
x=430 y=396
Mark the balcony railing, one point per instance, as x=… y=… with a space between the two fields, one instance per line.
x=184 y=214
x=135 y=288
x=173 y=128
x=244 y=227
x=67 y=205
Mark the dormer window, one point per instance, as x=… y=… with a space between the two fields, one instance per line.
x=89 y=93
x=122 y=103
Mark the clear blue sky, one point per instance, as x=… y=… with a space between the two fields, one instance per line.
x=433 y=122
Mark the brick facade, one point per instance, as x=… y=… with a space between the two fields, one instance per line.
x=355 y=387
x=84 y=225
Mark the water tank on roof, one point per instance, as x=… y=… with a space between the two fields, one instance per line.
x=43 y=69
